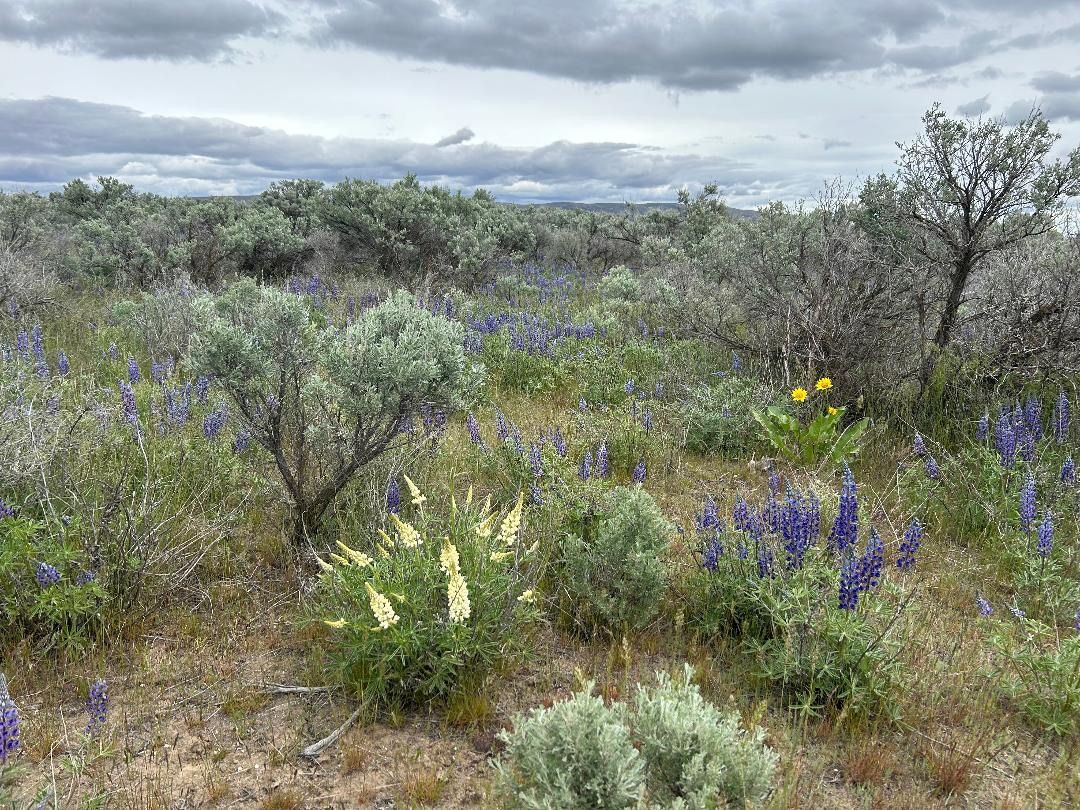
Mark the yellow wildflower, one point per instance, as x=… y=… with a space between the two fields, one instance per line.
x=338 y=559
x=468 y=497
x=457 y=594
x=418 y=498
x=824 y=384
x=799 y=395
x=527 y=596
x=499 y=556
x=483 y=531
x=511 y=524
x=336 y=624
x=407 y=535
x=833 y=411
x=323 y=564
x=358 y=557
x=381 y=607
x=448 y=558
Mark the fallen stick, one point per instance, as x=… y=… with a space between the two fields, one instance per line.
x=315 y=749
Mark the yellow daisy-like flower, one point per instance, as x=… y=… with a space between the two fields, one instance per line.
x=799 y=395
x=824 y=384
x=833 y=411
x=381 y=607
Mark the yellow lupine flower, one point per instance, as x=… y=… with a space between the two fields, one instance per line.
x=457 y=594
x=337 y=624
x=483 y=530
x=448 y=558
x=511 y=524
x=799 y=395
x=338 y=559
x=381 y=607
x=386 y=538
x=418 y=498
x=527 y=596
x=499 y=556
x=382 y=551
x=358 y=557
x=824 y=384
x=323 y=564
x=407 y=535
x=468 y=497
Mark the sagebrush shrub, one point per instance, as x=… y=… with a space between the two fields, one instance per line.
x=576 y=755
x=614 y=574
x=325 y=401
x=718 y=418
x=696 y=756
x=436 y=603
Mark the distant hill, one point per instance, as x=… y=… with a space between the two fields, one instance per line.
x=618 y=208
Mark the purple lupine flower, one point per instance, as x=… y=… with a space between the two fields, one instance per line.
x=638 y=476
x=984 y=606
x=41 y=369
x=127 y=399
x=52 y=405
x=5 y=510
x=536 y=495
x=582 y=404
x=37 y=342
x=85 y=577
x=1015 y=610
x=9 y=723
x=603 y=463
x=46 y=575
x=1033 y=417
x=912 y=539
x=502 y=427
x=22 y=344
x=114 y=352
x=1046 y=536
x=629 y=387
x=871 y=563
x=647 y=420
x=933 y=471
x=240 y=443
x=1005 y=439
x=1068 y=472
x=585 y=470
x=133 y=370
x=1026 y=443
x=741 y=517
x=736 y=362
x=1027 y=502
x=774 y=481
x=560 y=443
x=473 y=424
x=845 y=529
x=765 y=560
x=157 y=371
x=848 y=588
x=1061 y=417
x=393 y=497
x=982 y=430
x=178 y=404
x=62 y=364
x=536 y=462
x=97 y=706
x=202 y=389
x=920 y=445
x=517 y=439
x=658 y=391
x=799 y=523
x=214 y=421
x=710 y=556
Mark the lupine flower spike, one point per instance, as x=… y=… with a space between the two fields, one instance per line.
x=9 y=723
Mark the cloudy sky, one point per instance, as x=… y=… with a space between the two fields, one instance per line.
x=599 y=100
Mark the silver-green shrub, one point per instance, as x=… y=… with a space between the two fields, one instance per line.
x=322 y=400
x=614 y=574
x=697 y=757
x=578 y=754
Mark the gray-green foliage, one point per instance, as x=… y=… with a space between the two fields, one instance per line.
x=696 y=756
x=672 y=749
x=719 y=417
x=325 y=401
x=576 y=754
x=614 y=575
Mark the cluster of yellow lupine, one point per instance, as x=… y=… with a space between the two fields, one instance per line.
x=457 y=589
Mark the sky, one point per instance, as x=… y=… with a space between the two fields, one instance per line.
x=590 y=100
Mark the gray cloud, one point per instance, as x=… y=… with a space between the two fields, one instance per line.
x=975 y=107
x=1055 y=82
x=117 y=29
x=46 y=142
x=453 y=139
x=677 y=45
x=834 y=143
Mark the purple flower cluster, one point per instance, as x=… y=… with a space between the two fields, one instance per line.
x=133 y=371
x=639 y=473
x=983 y=605
x=910 y=544
x=9 y=723
x=1027 y=503
x=177 y=404
x=1045 y=542
x=46 y=575
x=845 y=529
x=800 y=524
x=128 y=404
x=1061 y=418
x=536 y=461
x=214 y=422
x=97 y=706
x=393 y=497
x=62 y=364
x=241 y=441
x=585 y=468
x=1068 y=472
x=861 y=574
x=6 y=511
x=603 y=462
x=473 y=425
